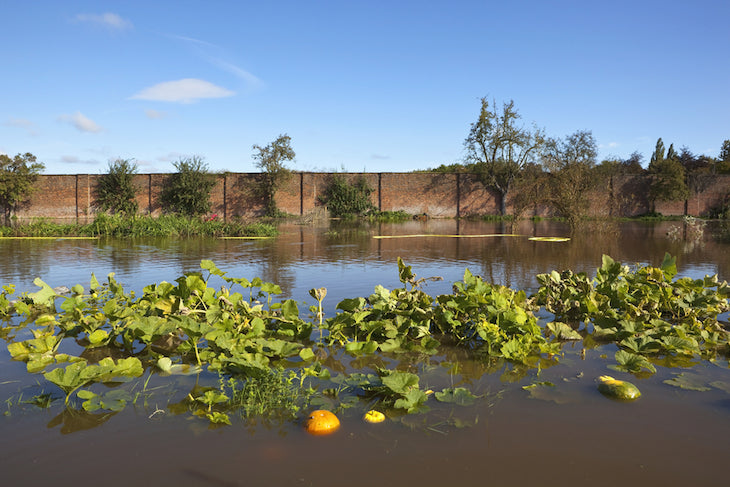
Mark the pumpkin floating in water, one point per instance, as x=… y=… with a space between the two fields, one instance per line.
x=374 y=416
x=617 y=389
x=321 y=422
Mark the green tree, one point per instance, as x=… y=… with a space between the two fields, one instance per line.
x=723 y=164
x=571 y=163
x=17 y=176
x=699 y=172
x=187 y=192
x=115 y=191
x=271 y=160
x=667 y=176
x=498 y=148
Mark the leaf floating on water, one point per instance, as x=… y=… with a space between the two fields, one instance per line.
x=689 y=381
x=458 y=395
x=546 y=391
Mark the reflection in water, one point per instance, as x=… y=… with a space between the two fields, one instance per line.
x=74 y=420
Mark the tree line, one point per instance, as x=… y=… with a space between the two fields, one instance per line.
x=526 y=168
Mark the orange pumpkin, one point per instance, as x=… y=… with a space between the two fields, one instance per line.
x=321 y=422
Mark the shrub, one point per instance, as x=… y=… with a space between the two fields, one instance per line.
x=187 y=192
x=116 y=191
x=343 y=198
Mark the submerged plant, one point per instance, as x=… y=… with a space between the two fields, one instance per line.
x=270 y=369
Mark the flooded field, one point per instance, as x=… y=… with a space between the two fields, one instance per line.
x=543 y=424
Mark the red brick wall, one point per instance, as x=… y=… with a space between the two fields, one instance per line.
x=71 y=198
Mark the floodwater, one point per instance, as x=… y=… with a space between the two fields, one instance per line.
x=573 y=436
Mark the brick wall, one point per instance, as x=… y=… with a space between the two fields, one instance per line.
x=71 y=198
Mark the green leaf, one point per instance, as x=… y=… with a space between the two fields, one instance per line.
x=458 y=395
x=400 y=382
x=306 y=354
x=98 y=337
x=289 y=310
x=669 y=266
x=44 y=296
x=631 y=362
x=405 y=273
x=561 y=331
x=349 y=305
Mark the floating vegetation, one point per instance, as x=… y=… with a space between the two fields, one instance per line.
x=420 y=235
x=549 y=239
x=255 y=357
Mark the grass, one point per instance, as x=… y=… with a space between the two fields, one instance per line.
x=142 y=226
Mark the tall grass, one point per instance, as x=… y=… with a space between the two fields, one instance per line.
x=142 y=226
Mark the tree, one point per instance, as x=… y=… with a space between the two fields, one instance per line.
x=723 y=165
x=271 y=160
x=497 y=148
x=115 y=190
x=17 y=176
x=571 y=162
x=615 y=166
x=632 y=164
x=667 y=175
x=187 y=192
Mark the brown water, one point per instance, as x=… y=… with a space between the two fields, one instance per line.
x=573 y=437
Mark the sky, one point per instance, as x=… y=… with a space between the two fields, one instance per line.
x=376 y=86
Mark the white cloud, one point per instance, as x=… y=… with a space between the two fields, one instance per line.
x=81 y=122
x=29 y=126
x=108 y=20
x=76 y=160
x=186 y=90
x=155 y=114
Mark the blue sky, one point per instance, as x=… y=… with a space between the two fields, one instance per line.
x=358 y=85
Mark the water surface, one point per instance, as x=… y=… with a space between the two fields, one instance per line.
x=574 y=437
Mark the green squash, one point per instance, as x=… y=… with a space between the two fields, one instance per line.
x=618 y=389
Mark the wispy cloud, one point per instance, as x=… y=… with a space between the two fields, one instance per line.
x=107 y=20
x=29 y=126
x=251 y=80
x=81 y=122
x=216 y=56
x=77 y=160
x=379 y=157
x=155 y=114
x=187 y=90
x=171 y=156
